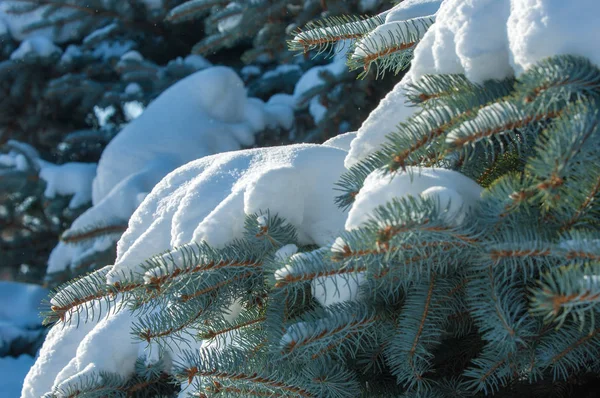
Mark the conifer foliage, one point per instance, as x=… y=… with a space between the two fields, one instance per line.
x=424 y=295
x=73 y=75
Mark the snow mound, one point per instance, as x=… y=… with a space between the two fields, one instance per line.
x=541 y=28
x=482 y=39
x=455 y=192
x=205 y=113
x=207 y=200
x=493 y=39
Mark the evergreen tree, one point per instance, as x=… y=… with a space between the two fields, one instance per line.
x=468 y=265
x=74 y=75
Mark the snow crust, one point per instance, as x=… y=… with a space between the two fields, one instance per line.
x=205 y=113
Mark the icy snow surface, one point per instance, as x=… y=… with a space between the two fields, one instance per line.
x=207 y=112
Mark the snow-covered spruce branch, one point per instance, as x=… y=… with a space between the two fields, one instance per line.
x=389 y=45
x=324 y=34
x=62 y=13
x=191 y=10
x=495 y=115
x=74 y=236
x=429 y=284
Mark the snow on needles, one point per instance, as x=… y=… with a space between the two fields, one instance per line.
x=455 y=192
x=205 y=113
x=493 y=39
x=208 y=199
x=205 y=200
x=483 y=39
x=392 y=110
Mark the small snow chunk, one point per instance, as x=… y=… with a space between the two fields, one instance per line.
x=229 y=23
x=331 y=290
x=132 y=110
x=35 y=48
x=103 y=115
x=250 y=70
x=69 y=179
x=197 y=61
x=133 y=88
x=262 y=221
x=101 y=33
x=132 y=56
x=286 y=252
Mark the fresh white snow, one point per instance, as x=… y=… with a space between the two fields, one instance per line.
x=392 y=110
x=452 y=189
x=208 y=199
x=72 y=178
x=205 y=113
